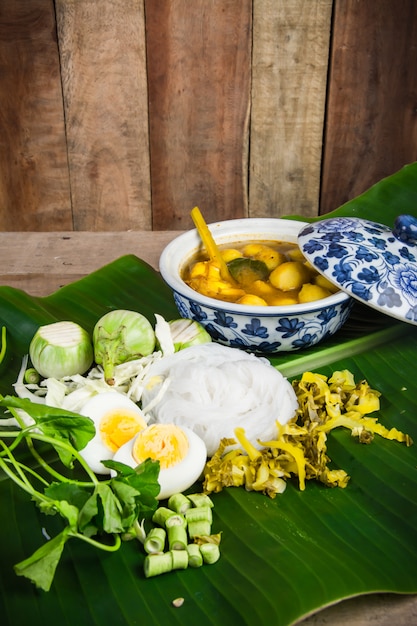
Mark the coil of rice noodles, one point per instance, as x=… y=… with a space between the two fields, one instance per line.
x=212 y=389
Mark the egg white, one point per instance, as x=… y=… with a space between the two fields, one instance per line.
x=96 y=409
x=179 y=476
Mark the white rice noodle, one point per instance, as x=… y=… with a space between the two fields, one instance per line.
x=213 y=389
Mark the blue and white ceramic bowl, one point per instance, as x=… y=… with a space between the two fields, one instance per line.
x=259 y=329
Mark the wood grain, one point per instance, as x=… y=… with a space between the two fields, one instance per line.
x=371 y=124
x=199 y=66
x=103 y=63
x=40 y=263
x=290 y=60
x=34 y=184
x=371 y=610
x=123 y=114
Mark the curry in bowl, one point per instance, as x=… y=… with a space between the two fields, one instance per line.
x=260 y=273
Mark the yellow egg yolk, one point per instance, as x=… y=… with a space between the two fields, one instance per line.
x=165 y=443
x=118 y=426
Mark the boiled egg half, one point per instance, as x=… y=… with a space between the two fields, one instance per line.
x=180 y=452
x=117 y=420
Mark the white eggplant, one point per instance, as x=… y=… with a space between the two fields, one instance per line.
x=186 y=333
x=121 y=336
x=61 y=349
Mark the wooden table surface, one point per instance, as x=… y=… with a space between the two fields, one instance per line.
x=40 y=263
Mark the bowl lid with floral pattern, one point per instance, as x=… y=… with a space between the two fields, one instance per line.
x=369 y=261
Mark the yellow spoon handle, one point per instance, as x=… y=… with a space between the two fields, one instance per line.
x=209 y=243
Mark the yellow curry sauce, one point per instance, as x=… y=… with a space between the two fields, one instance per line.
x=268 y=273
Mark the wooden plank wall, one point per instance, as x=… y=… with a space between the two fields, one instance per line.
x=123 y=114
x=371 y=115
x=289 y=76
x=34 y=173
x=104 y=84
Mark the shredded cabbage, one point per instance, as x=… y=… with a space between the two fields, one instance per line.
x=72 y=392
x=213 y=389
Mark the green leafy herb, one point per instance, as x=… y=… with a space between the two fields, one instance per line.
x=57 y=426
x=99 y=512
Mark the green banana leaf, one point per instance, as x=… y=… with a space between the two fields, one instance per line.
x=281 y=559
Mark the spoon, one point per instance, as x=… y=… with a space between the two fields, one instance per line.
x=209 y=243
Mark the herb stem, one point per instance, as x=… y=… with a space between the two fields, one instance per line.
x=19 y=436
x=20 y=479
x=28 y=470
x=17 y=417
x=99 y=544
x=68 y=448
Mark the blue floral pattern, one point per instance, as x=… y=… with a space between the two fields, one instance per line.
x=266 y=334
x=369 y=261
